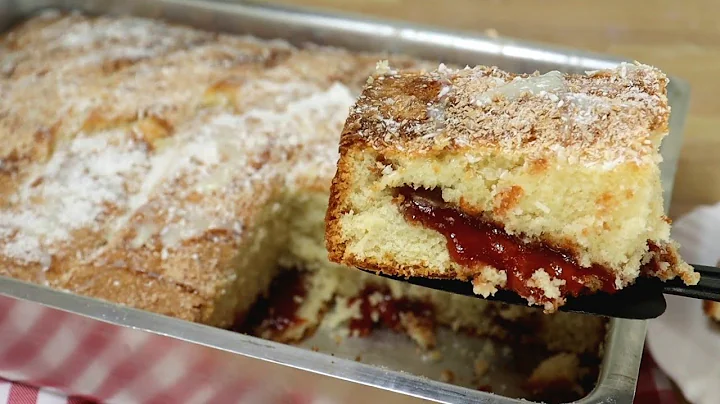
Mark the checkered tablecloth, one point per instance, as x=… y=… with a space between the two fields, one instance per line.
x=653 y=388
x=17 y=393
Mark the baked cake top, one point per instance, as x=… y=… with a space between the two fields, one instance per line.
x=601 y=118
x=161 y=133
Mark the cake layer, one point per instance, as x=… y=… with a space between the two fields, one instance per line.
x=548 y=185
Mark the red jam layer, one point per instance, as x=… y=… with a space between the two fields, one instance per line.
x=272 y=315
x=387 y=310
x=472 y=242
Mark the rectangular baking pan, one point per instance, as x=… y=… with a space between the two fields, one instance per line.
x=33 y=318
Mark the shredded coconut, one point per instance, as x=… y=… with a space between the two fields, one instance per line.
x=76 y=187
x=599 y=120
x=227 y=155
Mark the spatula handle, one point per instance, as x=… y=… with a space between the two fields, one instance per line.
x=708 y=288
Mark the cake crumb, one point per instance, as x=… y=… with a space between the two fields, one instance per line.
x=481 y=367
x=557 y=377
x=431 y=356
x=550 y=286
x=486 y=283
x=447 y=376
x=488 y=349
x=382 y=68
x=421 y=330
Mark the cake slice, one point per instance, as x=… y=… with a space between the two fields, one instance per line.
x=547 y=185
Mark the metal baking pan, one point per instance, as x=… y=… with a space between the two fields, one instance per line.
x=49 y=334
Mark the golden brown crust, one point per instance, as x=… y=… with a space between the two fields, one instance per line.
x=603 y=117
x=507 y=199
x=119 y=285
x=337 y=206
x=665 y=263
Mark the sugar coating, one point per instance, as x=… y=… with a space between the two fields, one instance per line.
x=601 y=118
x=72 y=191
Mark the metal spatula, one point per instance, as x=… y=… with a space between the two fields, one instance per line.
x=642 y=300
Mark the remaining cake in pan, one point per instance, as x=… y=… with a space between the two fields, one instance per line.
x=163 y=165
x=547 y=185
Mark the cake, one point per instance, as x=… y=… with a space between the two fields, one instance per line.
x=544 y=184
x=187 y=173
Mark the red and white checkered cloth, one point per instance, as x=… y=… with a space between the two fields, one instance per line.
x=46 y=347
x=653 y=385
x=653 y=388
x=18 y=393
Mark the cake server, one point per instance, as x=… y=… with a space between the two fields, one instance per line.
x=642 y=300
